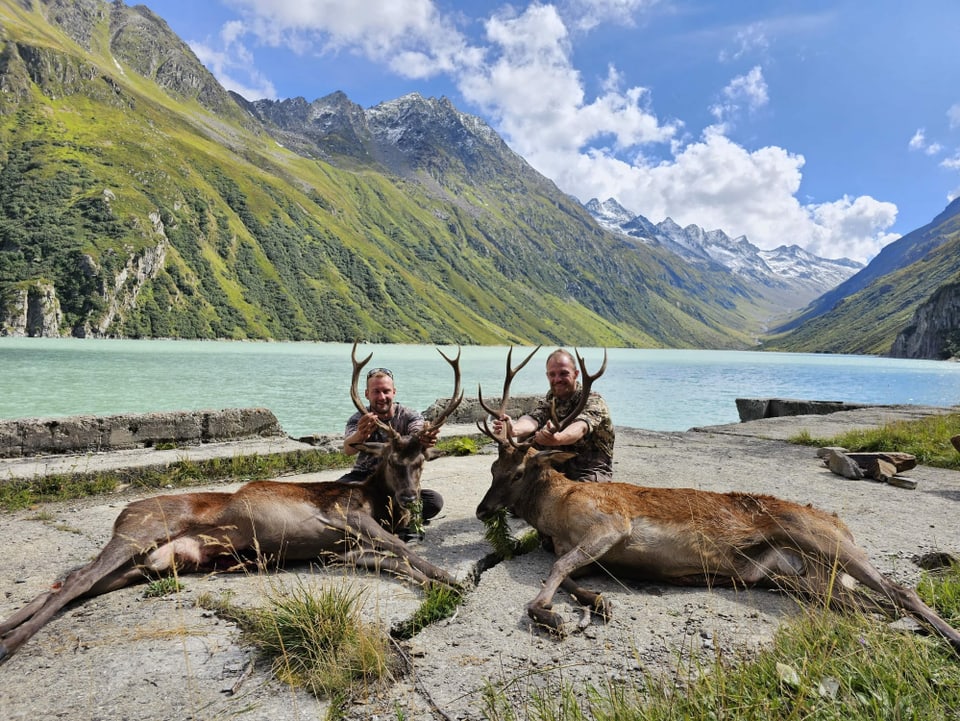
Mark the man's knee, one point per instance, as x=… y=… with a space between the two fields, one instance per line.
x=432 y=503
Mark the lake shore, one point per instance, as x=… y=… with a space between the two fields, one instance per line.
x=124 y=656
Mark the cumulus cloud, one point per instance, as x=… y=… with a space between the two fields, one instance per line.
x=409 y=36
x=919 y=142
x=743 y=92
x=232 y=60
x=953 y=116
x=521 y=75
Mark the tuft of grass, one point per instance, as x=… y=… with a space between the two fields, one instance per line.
x=926 y=438
x=315 y=638
x=460 y=445
x=941 y=590
x=498 y=534
x=162 y=587
x=440 y=602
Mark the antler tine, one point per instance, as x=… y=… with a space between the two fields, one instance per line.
x=499 y=413
x=355 y=394
x=457 y=396
x=586 y=385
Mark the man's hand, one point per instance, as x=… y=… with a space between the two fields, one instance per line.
x=428 y=436
x=549 y=436
x=366 y=425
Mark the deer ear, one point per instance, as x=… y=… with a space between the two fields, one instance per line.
x=374 y=448
x=554 y=456
x=431 y=453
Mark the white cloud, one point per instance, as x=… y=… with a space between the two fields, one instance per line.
x=234 y=60
x=522 y=77
x=919 y=142
x=748 y=91
x=410 y=36
x=588 y=14
x=752 y=38
x=953 y=116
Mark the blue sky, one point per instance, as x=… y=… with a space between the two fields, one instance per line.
x=832 y=125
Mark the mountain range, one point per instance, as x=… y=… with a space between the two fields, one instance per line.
x=788 y=275
x=141 y=199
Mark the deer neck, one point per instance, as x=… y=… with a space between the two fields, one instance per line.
x=535 y=498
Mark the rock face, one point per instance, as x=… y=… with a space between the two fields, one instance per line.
x=934 y=333
x=32 y=311
x=469 y=411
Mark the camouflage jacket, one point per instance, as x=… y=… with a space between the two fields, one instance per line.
x=594 y=459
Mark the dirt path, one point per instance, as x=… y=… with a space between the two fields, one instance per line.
x=123 y=656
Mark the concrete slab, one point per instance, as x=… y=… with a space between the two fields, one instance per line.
x=124 y=656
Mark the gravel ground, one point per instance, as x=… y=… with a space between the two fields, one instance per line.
x=123 y=656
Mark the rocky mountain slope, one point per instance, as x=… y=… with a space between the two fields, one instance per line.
x=141 y=199
x=899 y=304
x=147 y=201
x=788 y=276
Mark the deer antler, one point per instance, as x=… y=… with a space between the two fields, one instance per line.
x=499 y=413
x=457 y=393
x=355 y=394
x=586 y=385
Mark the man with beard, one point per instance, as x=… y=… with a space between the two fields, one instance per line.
x=590 y=436
x=361 y=428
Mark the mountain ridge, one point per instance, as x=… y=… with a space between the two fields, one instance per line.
x=163 y=218
x=786 y=274
x=145 y=200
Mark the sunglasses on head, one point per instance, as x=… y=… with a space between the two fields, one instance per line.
x=379 y=372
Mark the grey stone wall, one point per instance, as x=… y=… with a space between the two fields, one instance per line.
x=91 y=434
x=753 y=409
x=469 y=411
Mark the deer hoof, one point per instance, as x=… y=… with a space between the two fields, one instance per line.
x=547 y=619
x=603 y=608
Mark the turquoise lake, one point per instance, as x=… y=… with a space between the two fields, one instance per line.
x=307 y=385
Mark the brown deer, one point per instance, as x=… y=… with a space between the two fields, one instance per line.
x=679 y=535
x=262 y=523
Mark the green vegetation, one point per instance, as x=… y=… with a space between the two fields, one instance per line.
x=153 y=206
x=22 y=493
x=315 y=639
x=439 y=602
x=928 y=439
x=163 y=587
x=868 y=321
x=821 y=667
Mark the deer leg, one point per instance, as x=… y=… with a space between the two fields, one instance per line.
x=854 y=560
x=588 y=551
x=377 y=549
x=591 y=599
x=92 y=579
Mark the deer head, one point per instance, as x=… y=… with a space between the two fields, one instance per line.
x=519 y=457
x=402 y=456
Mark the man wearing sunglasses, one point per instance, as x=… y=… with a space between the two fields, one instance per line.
x=380 y=394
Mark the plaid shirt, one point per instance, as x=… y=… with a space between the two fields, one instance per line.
x=594 y=459
x=405 y=421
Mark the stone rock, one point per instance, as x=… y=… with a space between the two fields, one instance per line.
x=842 y=465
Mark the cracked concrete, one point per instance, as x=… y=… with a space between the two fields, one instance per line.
x=122 y=656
